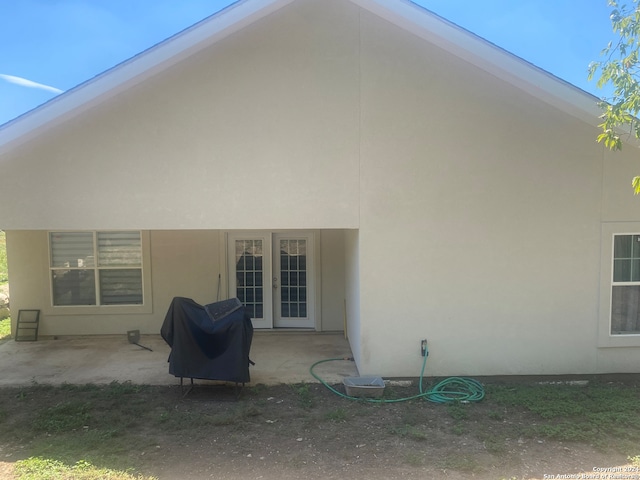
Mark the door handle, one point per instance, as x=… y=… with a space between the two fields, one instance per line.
x=275 y=283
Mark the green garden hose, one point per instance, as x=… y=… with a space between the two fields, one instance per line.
x=452 y=389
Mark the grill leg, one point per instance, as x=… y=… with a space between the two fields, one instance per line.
x=238 y=390
x=184 y=394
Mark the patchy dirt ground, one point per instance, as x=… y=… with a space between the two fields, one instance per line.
x=284 y=432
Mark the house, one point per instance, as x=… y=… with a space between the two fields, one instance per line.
x=357 y=165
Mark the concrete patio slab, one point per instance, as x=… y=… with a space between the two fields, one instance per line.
x=280 y=357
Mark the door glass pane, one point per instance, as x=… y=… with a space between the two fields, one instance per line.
x=249 y=276
x=293 y=295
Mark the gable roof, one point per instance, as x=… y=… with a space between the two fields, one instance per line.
x=403 y=13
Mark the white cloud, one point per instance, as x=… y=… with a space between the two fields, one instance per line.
x=28 y=83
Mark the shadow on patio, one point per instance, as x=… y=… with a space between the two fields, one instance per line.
x=280 y=357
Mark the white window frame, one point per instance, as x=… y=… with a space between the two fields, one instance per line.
x=147 y=301
x=605 y=337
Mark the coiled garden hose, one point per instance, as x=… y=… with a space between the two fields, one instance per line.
x=452 y=389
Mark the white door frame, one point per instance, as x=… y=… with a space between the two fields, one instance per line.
x=265 y=237
x=308 y=320
x=270 y=241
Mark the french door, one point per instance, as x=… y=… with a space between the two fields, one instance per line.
x=273 y=276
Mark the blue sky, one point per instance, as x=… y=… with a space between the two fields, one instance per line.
x=58 y=44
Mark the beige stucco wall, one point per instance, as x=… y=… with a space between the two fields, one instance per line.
x=453 y=206
x=480 y=224
x=258 y=132
x=333 y=280
x=352 y=296
x=619 y=204
x=180 y=263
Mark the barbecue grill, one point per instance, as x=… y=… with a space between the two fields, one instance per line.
x=208 y=342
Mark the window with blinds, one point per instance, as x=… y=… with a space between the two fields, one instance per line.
x=96 y=268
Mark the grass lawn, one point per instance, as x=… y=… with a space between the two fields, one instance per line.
x=122 y=431
x=5 y=328
x=4 y=272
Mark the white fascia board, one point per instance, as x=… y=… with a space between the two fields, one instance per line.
x=135 y=70
x=487 y=56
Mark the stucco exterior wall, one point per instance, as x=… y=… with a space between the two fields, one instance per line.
x=258 y=132
x=333 y=280
x=619 y=204
x=352 y=301
x=179 y=263
x=481 y=212
x=453 y=206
